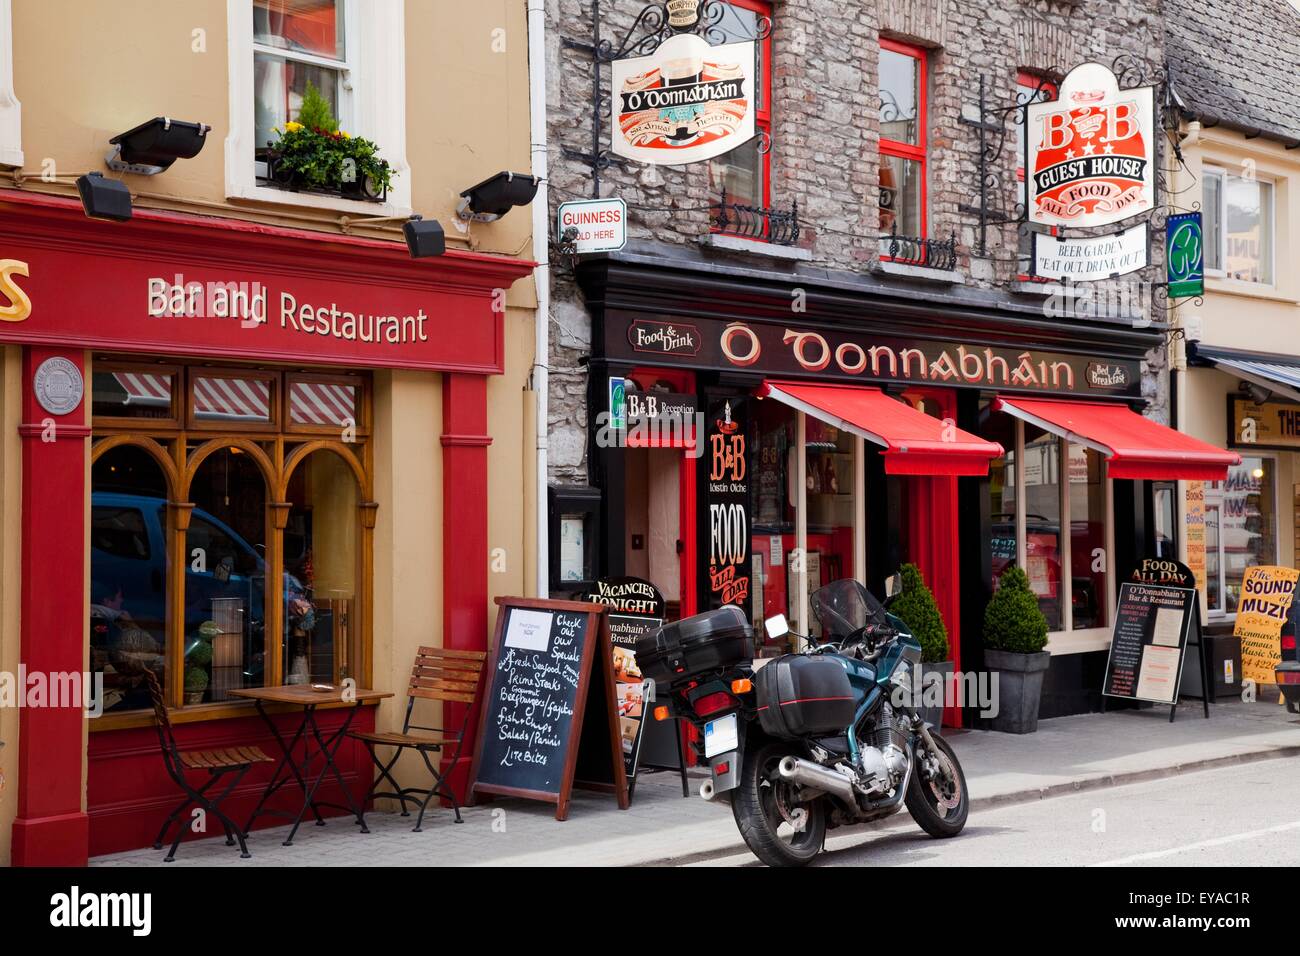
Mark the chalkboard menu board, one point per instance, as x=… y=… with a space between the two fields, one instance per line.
x=540 y=685
x=1152 y=626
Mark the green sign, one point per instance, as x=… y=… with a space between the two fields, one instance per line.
x=1185 y=255
x=617 y=403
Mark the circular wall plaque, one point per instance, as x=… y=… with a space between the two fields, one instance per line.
x=58 y=386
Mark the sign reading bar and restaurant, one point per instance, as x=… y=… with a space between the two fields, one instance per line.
x=1090 y=153
x=684 y=103
x=842 y=355
x=1090 y=258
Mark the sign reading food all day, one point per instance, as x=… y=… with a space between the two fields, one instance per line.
x=1090 y=153
x=684 y=103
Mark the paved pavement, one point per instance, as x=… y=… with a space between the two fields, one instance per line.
x=1066 y=755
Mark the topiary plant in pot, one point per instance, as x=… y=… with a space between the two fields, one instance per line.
x=1015 y=633
x=916 y=608
x=196 y=684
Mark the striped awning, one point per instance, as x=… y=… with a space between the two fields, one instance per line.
x=1277 y=373
x=144 y=389
x=232 y=399
x=322 y=403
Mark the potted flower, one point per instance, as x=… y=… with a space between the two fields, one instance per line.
x=196 y=684
x=916 y=608
x=1015 y=633
x=312 y=153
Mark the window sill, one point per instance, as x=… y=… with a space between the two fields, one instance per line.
x=283 y=197
x=924 y=273
x=1028 y=287
x=718 y=240
x=1250 y=290
x=1078 y=642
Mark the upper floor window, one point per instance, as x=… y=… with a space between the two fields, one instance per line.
x=1030 y=88
x=902 y=139
x=294 y=44
x=745 y=173
x=1238 y=219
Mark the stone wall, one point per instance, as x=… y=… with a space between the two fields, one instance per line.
x=825 y=132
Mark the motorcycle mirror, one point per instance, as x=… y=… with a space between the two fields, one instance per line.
x=776 y=626
x=894 y=585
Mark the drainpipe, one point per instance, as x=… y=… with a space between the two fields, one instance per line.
x=542 y=273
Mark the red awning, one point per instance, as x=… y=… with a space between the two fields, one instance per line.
x=915 y=443
x=1135 y=447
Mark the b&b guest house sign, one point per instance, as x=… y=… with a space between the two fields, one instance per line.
x=1090 y=154
x=684 y=103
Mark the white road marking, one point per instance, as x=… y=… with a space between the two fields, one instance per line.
x=1202 y=844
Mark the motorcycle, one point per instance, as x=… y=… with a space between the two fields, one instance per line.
x=809 y=741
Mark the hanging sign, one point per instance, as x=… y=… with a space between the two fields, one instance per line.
x=1090 y=154
x=684 y=103
x=1262 y=610
x=725 y=515
x=1185 y=255
x=1091 y=258
x=601 y=224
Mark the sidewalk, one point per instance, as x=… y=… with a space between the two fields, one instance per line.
x=1065 y=755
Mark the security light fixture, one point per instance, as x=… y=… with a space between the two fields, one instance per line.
x=424 y=237
x=152 y=147
x=496 y=196
x=1256 y=393
x=104 y=198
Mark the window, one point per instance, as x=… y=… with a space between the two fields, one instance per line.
x=1238 y=219
x=902 y=140
x=350 y=50
x=1030 y=88
x=745 y=172
x=11 y=121
x=1240 y=529
x=269 y=469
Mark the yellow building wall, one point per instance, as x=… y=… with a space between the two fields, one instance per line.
x=10 y=522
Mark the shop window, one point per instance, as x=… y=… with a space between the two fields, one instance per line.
x=902 y=140
x=11 y=125
x=1240 y=529
x=234 y=624
x=1238 y=221
x=1030 y=88
x=1041 y=471
x=1088 y=557
x=133 y=394
x=745 y=173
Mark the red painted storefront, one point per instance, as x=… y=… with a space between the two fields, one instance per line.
x=87 y=282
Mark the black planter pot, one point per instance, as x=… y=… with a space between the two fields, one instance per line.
x=1020 y=688
x=361 y=190
x=932 y=674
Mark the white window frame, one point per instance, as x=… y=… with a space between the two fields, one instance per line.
x=1222 y=174
x=374 y=107
x=11 y=111
x=1221 y=614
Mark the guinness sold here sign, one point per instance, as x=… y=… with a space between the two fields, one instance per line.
x=1090 y=154
x=684 y=103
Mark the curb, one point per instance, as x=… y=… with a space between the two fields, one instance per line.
x=1069 y=787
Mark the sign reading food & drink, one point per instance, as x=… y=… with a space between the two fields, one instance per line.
x=684 y=103
x=1090 y=154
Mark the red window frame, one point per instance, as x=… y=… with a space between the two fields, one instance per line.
x=762 y=117
x=912 y=151
x=1030 y=79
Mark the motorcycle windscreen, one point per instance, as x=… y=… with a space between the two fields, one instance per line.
x=845 y=606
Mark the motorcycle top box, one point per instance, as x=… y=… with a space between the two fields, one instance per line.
x=694 y=645
x=800 y=696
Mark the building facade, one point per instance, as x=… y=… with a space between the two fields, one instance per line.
x=248 y=438
x=843 y=308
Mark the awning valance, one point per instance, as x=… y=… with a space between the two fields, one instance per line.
x=914 y=442
x=1135 y=447
x=1277 y=373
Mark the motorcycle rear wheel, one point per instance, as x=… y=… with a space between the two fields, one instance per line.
x=764 y=805
x=927 y=800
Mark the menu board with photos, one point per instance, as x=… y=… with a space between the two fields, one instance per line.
x=550 y=667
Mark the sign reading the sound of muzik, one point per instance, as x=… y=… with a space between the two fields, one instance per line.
x=1090 y=154
x=686 y=102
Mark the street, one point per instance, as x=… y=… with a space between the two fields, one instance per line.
x=1230 y=816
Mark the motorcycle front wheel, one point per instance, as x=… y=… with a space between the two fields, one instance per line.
x=780 y=830
x=936 y=795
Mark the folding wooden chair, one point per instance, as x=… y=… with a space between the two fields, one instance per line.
x=438 y=674
x=218 y=763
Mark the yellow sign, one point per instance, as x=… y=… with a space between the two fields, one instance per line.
x=1266 y=596
x=19 y=306
x=1194 y=526
x=1267 y=424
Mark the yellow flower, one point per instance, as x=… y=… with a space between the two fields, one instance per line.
x=344 y=135
x=292 y=127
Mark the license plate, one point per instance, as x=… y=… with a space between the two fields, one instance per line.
x=720 y=736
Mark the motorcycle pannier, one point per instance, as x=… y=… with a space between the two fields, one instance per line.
x=703 y=642
x=800 y=696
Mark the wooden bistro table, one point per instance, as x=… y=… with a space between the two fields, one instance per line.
x=308 y=698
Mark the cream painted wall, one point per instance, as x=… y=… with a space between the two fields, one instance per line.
x=10 y=522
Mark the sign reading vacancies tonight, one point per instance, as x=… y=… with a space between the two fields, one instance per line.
x=684 y=103
x=1091 y=258
x=1090 y=154
x=1152 y=625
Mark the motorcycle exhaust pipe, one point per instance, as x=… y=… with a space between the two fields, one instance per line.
x=706 y=790
x=809 y=774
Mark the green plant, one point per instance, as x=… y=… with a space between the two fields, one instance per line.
x=196 y=680
x=315 y=151
x=1012 y=620
x=200 y=655
x=915 y=607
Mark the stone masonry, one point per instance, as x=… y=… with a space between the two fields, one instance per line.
x=825 y=131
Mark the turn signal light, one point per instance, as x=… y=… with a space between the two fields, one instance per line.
x=661 y=712
x=742 y=685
